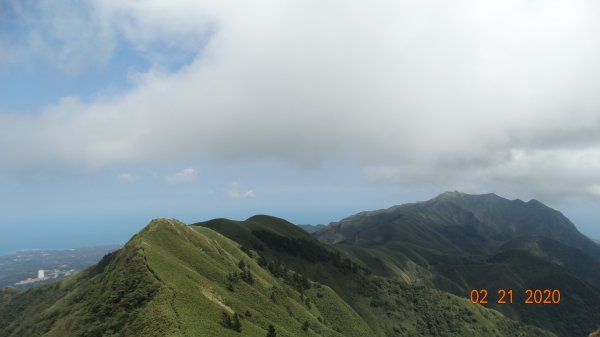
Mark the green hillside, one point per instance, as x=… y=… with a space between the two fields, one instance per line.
x=554 y=267
x=458 y=242
x=176 y=280
x=460 y=223
x=577 y=313
x=583 y=265
x=390 y=307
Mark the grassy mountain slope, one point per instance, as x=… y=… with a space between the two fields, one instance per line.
x=459 y=223
x=515 y=218
x=573 y=259
x=199 y=281
x=112 y=296
x=577 y=313
x=526 y=263
x=174 y=280
x=458 y=242
x=390 y=307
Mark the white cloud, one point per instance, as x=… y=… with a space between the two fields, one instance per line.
x=594 y=189
x=65 y=34
x=186 y=175
x=234 y=193
x=489 y=94
x=81 y=36
x=127 y=178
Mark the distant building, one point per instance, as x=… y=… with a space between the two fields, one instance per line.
x=27 y=281
x=44 y=275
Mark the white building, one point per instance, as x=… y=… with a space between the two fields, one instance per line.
x=41 y=274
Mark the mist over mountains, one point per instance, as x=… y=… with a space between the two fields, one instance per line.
x=403 y=271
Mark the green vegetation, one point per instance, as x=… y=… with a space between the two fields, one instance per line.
x=231 y=321
x=266 y=277
x=171 y=280
x=389 y=307
x=458 y=242
x=103 y=300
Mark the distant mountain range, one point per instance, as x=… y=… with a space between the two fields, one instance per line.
x=404 y=271
x=312 y=228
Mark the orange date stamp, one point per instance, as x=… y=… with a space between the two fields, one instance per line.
x=529 y=296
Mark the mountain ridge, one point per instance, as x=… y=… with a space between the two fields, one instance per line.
x=404 y=272
x=495 y=219
x=171 y=279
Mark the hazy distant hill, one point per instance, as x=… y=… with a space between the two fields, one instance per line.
x=176 y=280
x=312 y=228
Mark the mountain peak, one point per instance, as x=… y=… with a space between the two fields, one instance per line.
x=459 y=194
x=450 y=195
x=474 y=223
x=536 y=202
x=162 y=223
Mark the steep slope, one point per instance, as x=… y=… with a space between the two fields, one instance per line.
x=573 y=259
x=514 y=218
x=456 y=222
x=458 y=242
x=576 y=314
x=112 y=296
x=391 y=308
x=174 y=280
x=205 y=270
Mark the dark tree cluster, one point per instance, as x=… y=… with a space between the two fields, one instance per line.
x=308 y=250
x=247 y=251
x=296 y=280
x=231 y=321
x=271 y=331
x=244 y=274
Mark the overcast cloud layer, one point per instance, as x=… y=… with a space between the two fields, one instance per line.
x=487 y=95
